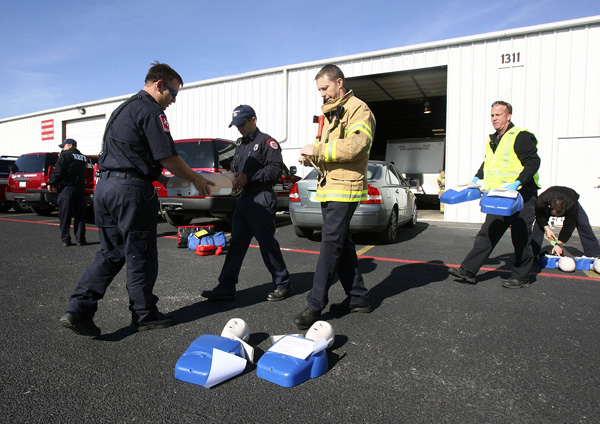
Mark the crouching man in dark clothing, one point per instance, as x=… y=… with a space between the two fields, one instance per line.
x=563 y=202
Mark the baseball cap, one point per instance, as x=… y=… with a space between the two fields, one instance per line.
x=68 y=141
x=241 y=114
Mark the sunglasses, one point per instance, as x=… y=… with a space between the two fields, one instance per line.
x=171 y=90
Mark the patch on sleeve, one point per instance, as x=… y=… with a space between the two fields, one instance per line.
x=165 y=123
x=273 y=144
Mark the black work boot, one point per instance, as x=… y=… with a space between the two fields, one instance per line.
x=217 y=295
x=347 y=307
x=156 y=321
x=307 y=318
x=281 y=294
x=80 y=325
x=513 y=283
x=466 y=277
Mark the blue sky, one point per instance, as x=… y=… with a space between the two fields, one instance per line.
x=61 y=53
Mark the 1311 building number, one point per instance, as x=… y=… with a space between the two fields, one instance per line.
x=510 y=58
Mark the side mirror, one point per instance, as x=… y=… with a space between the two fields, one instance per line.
x=293 y=170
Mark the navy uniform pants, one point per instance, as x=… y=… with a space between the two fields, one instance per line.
x=254 y=216
x=71 y=204
x=337 y=257
x=126 y=212
x=492 y=231
x=589 y=242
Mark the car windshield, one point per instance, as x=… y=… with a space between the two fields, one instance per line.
x=35 y=163
x=373 y=173
x=6 y=166
x=197 y=154
x=225 y=151
x=201 y=154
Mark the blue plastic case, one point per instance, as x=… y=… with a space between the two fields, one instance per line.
x=504 y=206
x=288 y=371
x=452 y=197
x=194 y=365
x=549 y=261
x=584 y=264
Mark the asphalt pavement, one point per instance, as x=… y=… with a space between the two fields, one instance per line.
x=431 y=351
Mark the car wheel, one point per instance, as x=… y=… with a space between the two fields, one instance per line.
x=413 y=218
x=17 y=207
x=389 y=234
x=5 y=207
x=303 y=232
x=176 y=220
x=42 y=210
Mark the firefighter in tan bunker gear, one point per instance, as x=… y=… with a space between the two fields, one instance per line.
x=341 y=155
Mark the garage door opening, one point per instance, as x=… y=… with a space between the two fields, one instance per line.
x=410 y=109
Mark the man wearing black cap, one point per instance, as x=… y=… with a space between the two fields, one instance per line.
x=68 y=179
x=257 y=164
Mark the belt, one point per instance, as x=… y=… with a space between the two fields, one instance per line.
x=122 y=174
x=257 y=189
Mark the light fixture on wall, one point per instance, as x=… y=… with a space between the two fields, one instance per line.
x=81 y=110
x=427 y=107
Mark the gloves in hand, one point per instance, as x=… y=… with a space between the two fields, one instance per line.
x=513 y=186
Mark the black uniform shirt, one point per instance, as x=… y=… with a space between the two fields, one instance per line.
x=139 y=137
x=571 y=199
x=259 y=157
x=69 y=169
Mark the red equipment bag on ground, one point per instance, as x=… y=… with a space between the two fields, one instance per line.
x=205 y=249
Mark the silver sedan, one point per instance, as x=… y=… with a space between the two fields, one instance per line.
x=390 y=204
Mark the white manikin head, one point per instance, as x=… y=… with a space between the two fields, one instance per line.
x=566 y=264
x=596 y=266
x=236 y=327
x=321 y=329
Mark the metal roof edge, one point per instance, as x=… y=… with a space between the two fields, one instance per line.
x=65 y=108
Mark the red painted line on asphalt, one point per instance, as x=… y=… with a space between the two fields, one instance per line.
x=42 y=223
x=29 y=222
x=378 y=258
x=408 y=261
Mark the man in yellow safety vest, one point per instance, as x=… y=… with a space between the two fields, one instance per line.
x=512 y=162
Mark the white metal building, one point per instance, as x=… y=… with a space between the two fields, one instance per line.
x=549 y=73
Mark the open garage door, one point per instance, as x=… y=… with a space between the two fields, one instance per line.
x=409 y=107
x=87 y=132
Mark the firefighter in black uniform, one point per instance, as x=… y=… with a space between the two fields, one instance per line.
x=68 y=179
x=137 y=145
x=257 y=164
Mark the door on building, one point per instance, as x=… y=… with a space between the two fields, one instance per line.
x=87 y=132
x=577 y=167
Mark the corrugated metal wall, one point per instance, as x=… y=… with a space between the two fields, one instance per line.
x=23 y=135
x=553 y=86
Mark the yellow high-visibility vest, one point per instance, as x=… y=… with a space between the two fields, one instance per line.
x=503 y=166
